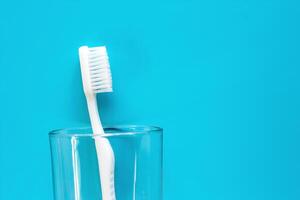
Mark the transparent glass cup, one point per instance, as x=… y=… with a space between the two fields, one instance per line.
x=138 y=163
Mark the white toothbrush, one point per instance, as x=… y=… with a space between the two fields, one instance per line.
x=96 y=78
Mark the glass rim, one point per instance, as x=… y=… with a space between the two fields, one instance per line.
x=113 y=131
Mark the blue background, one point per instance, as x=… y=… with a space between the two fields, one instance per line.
x=221 y=77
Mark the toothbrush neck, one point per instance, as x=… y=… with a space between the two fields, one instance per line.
x=94 y=114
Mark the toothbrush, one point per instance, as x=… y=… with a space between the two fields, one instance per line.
x=96 y=78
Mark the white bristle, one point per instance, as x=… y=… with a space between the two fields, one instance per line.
x=98 y=74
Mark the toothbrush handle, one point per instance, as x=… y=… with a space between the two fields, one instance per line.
x=94 y=114
x=105 y=154
x=106 y=163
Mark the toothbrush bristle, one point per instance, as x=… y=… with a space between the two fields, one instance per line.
x=99 y=70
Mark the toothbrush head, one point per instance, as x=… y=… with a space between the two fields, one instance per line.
x=95 y=70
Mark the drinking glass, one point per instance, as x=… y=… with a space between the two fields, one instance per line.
x=138 y=163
